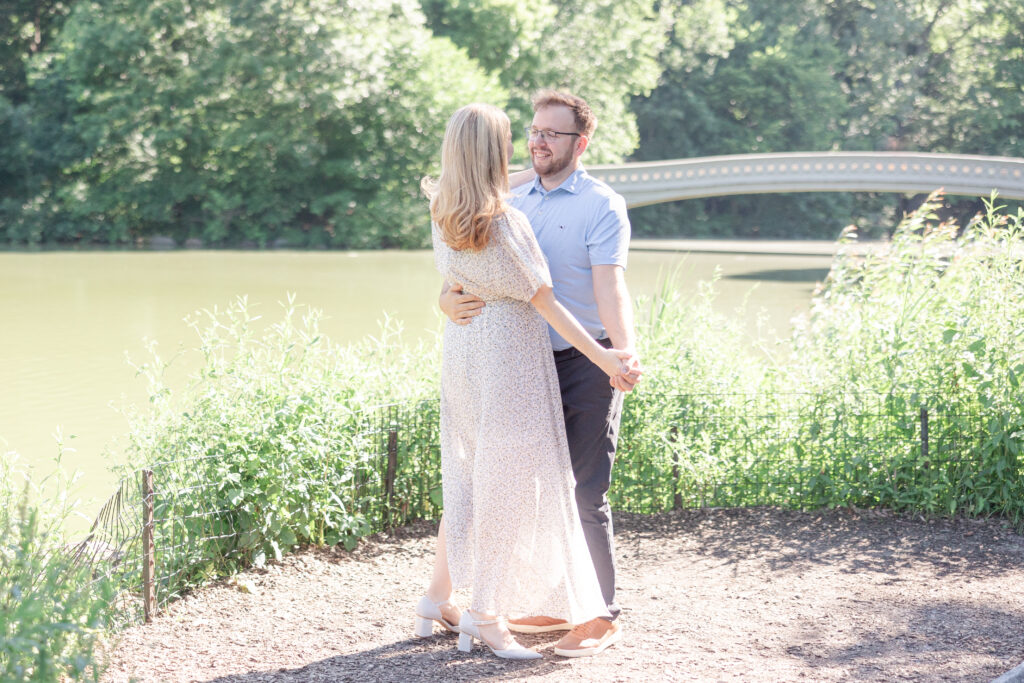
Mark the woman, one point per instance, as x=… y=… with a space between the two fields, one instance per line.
x=511 y=531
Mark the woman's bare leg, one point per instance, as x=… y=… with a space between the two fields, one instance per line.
x=440 y=588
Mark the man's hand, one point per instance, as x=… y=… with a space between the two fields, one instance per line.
x=460 y=308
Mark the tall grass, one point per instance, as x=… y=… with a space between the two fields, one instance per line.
x=833 y=416
x=695 y=359
x=934 y=321
x=52 y=611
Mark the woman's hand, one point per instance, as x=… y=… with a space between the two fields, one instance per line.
x=615 y=362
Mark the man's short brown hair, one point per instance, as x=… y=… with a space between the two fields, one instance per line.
x=586 y=122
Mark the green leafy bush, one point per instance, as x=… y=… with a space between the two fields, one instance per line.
x=280 y=439
x=52 y=610
x=931 y=323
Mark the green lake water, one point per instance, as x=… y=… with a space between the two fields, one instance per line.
x=68 y=319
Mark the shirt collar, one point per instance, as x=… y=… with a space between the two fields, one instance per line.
x=571 y=184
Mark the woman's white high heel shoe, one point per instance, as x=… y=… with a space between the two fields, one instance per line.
x=468 y=631
x=427 y=612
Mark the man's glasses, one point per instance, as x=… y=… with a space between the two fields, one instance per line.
x=547 y=135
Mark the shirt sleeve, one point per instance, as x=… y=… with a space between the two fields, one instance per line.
x=608 y=239
x=527 y=269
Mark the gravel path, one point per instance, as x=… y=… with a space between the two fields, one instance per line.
x=708 y=595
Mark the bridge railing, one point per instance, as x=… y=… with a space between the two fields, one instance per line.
x=643 y=183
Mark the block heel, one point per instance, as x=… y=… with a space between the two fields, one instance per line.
x=428 y=612
x=424 y=627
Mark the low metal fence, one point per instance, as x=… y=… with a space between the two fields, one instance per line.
x=798 y=450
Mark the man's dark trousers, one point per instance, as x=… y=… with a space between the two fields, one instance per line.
x=592 y=412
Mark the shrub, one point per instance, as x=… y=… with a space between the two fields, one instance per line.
x=276 y=440
x=52 y=611
x=933 y=321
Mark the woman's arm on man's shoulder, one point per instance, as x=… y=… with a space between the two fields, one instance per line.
x=521 y=177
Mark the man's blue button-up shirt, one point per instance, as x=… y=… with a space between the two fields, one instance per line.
x=580 y=224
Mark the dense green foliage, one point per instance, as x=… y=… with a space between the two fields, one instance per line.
x=603 y=50
x=277 y=429
x=932 y=322
x=305 y=123
x=309 y=123
x=52 y=611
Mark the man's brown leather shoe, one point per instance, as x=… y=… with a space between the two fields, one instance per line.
x=588 y=638
x=538 y=624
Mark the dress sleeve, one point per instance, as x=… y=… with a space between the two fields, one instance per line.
x=527 y=269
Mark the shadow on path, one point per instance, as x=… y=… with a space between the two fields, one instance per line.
x=434 y=659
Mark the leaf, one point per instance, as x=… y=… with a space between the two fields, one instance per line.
x=234 y=496
x=970 y=371
x=436 y=496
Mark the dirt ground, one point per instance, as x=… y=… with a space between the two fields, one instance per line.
x=707 y=595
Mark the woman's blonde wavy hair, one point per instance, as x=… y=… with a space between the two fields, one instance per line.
x=470 y=192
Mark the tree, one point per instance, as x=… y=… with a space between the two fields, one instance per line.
x=255 y=120
x=26 y=29
x=603 y=50
x=816 y=75
x=931 y=76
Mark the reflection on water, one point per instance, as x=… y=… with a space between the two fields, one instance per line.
x=69 y=318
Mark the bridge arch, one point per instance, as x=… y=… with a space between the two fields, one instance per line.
x=653 y=182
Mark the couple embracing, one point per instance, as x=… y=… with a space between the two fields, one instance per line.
x=538 y=352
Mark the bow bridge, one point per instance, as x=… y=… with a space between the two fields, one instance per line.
x=653 y=182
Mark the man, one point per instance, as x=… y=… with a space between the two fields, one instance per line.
x=583 y=230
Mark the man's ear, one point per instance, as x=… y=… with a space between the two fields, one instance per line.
x=581 y=144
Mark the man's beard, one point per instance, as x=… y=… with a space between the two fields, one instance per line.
x=554 y=165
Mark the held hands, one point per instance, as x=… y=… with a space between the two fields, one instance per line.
x=630 y=374
x=460 y=308
x=622 y=367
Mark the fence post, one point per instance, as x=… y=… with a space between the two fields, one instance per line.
x=924 y=433
x=677 y=496
x=148 y=550
x=389 y=477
